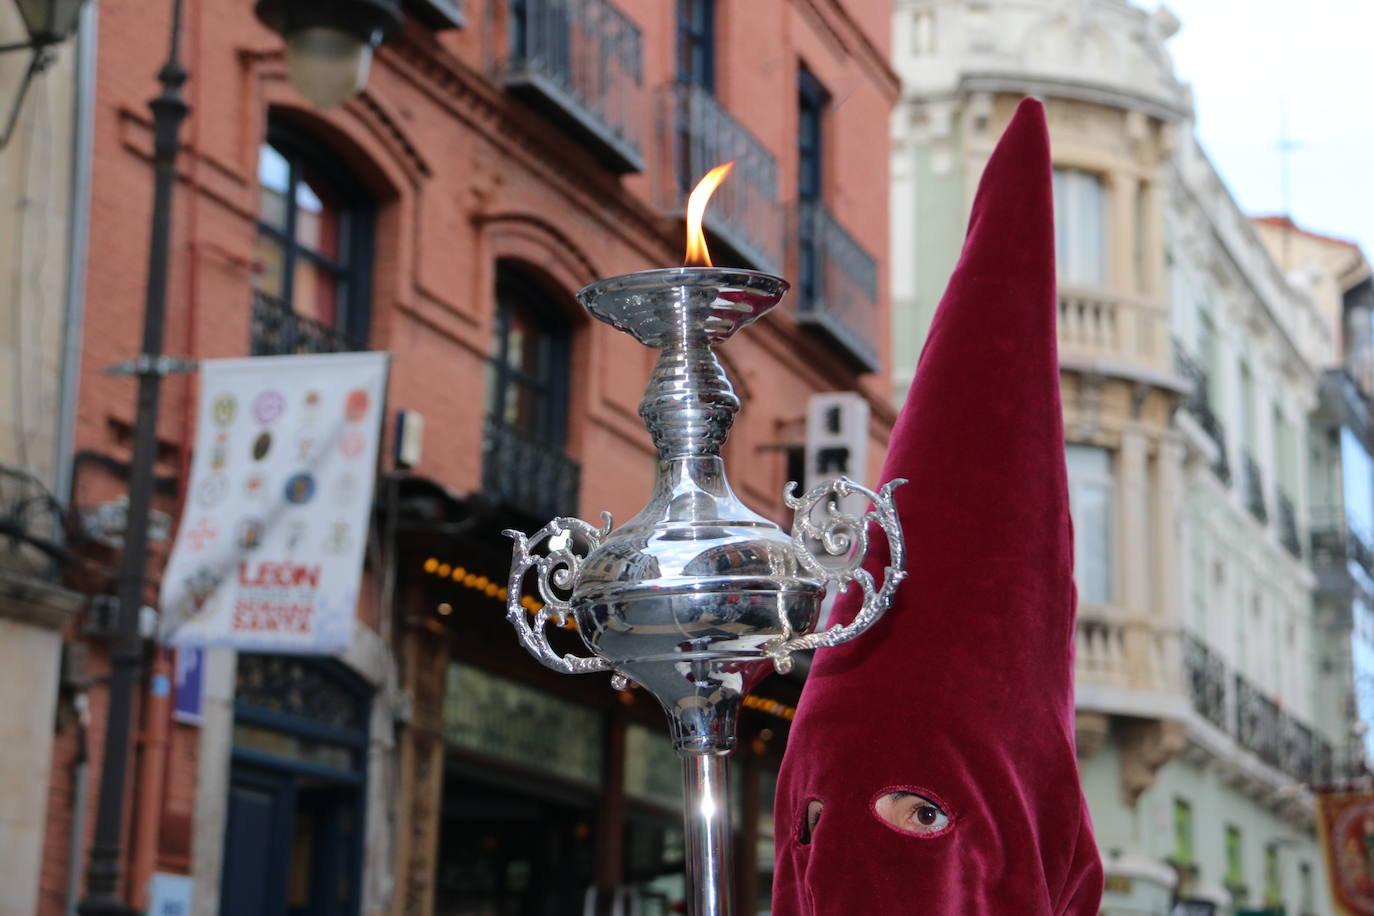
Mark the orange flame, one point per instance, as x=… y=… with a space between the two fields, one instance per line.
x=697 y=254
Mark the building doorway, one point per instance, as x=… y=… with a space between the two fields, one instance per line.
x=294 y=830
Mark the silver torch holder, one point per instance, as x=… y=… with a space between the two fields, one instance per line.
x=696 y=592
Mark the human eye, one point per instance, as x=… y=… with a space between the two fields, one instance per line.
x=911 y=812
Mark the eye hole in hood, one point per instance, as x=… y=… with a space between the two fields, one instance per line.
x=912 y=812
x=811 y=816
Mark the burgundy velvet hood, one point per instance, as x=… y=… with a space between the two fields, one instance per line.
x=963 y=692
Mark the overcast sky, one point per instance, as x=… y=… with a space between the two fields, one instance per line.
x=1246 y=60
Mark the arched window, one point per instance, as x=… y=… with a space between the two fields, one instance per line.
x=524 y=466
x=313 y=290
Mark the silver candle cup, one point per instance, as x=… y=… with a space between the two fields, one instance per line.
x=696 y=592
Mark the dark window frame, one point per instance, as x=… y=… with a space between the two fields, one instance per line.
x=696 y=43
x=517 y=290
x=812 y=100
x=305 y=152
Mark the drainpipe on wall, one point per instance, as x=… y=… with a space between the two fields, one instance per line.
x=77 y=238
x=152 y=760
x=81 y=779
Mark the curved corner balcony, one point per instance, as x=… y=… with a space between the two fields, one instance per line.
x=1109 y=330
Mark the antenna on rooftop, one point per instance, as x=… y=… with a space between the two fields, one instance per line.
x=1286 y=145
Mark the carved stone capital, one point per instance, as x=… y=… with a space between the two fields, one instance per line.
x=1146 y=745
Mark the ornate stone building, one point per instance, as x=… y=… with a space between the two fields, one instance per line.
x=1189 y=367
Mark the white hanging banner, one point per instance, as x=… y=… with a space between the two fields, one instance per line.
x=269 y=554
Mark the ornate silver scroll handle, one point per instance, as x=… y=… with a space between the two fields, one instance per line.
x=557 y=574
x=842 y=534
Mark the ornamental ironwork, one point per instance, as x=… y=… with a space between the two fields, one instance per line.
x=1257 y=722
x=1198 y=402
x=31 y=526
x=530 y=477
x=278 y=331
x=1254 y=488
x=1206 y=681
x=319 y=691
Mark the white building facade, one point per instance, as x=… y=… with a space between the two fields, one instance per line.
x=1190 y=368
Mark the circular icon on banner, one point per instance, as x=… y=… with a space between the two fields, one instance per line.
x=311 y=414
x=250 y=533
x=255 y=488
x=305 y=448
x=351 y=444
x=219 y=452
x=295 y=533
x=213 y=489
x=268 y=407
x=300 y=488
x=223 y=409
x=345 y=489
x=201 y=534
x=337 y=540
x=261 y=446
x=355 y=407
x=199 y=589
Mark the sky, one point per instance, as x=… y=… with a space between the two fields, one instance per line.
x=1248 y=61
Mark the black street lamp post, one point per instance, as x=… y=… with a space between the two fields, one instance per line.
x=102 y=875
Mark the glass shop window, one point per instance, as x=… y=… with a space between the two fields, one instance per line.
x=1091 y=494
x=314 y=245
x=1080 y=227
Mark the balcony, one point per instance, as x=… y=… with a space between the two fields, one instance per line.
x=1106 y=327
x=1288 y=526
x=1119 y=659
x=696 y=134
x=1257 y=722
x=278 y=331
x=1206 y=682
x=1253 y=486
x=1335 y=542
x=581 y=64
x=1199 y=404
x=526 y=476
x=837 y=285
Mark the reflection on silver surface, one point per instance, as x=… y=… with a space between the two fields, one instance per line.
x=697 y=591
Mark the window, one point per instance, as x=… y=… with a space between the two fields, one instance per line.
x=1273 y=877
x=812 y=99
x=1091 y=494
x=314 y=247
x=1235 y=870
x=1080 y=227
x=1183 y=832
x=527 y=381
x=696 y=57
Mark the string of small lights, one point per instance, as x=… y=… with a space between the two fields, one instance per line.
x=460 y=575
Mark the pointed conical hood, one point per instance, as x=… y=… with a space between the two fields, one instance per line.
x=962 y=694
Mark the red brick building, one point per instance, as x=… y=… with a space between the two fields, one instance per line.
x=498 y=160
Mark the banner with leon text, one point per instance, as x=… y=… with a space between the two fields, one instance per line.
x=1345 y=829
x=269 y=553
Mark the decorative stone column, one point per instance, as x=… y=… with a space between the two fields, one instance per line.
x=33 y=614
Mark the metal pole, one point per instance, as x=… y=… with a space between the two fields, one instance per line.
x=710 y=863
x=102 y=876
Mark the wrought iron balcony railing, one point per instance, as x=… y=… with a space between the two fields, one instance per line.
x=527 y=476
x=1254 y=488
x=1335 y=542
x=1206 y=682
x=581 y=63
x=837 y=284
x=697 y=134
x=31 y=527
x=1288 y=526
x=1199 y=404
x=278 y=331
x=1257 y=722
